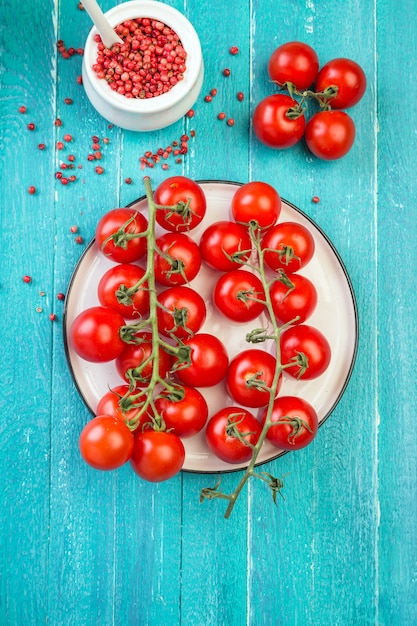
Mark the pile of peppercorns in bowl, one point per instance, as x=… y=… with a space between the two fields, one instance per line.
x=153 y=78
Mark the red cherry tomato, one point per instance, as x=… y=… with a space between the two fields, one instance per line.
x=178 y=260
x=295 y=422
x=95 y=334
x=256 y=202
x=106 y=443
x=184 y=410
x=136 y=363
x=209 y=361
x=113 y=289
x=119 y=235
x=189 y=200
x=181 y=312
x=330 y=135
x=239 y=295
x=250 y=377
x=308 y=349
x=278 y=121
x=296 y=298
x=348 y=77
x=294 y=62
x=157 y=455
x=120 y=402
x=288 y=246
x=225 y=245
x=223 y=442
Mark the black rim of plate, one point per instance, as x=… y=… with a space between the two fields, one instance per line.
x=348 y=281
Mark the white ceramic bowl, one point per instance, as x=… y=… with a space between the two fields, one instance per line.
x=151 y=113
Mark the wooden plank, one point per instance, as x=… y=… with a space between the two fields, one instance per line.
x=322 y=547
x=27 y=228
x=397 y=308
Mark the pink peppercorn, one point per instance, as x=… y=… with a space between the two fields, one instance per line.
x=60 y=296
x=79 y=239
x=32 y=190
x=67 y=137
x=226 y=72
x=41 y=146
x=74 y=229
x=22 y=109
x=315 y=199
x=230 y=121
x=31 y=126
x=52 y=317
x=240 y=96
x=234 y=50
x=27 y=279
x=99 y=170
x=221 y=116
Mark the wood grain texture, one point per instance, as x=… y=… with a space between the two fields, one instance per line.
x=89 y=548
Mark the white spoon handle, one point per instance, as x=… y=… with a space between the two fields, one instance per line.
x=106 y=31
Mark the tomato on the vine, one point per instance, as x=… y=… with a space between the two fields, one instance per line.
x=278 y=121
x=293 y=296
x=157 y=455
x=181 y=312
x=120 y=402
x=329 y=135
x=250 y=377
x=113 y=290
x=348 y=77
x=225 y=245
x=294 y=62
x=136 y=363
x=106 y=442
x=305 y=352
x=95 y=334
x=208 y=361
x=184 y=204
x=294 y=423
x=239 y=295
x=177 y=259
x=288 y=246
x=183 y=409
x=231 y=433
x=120 y=235
x=256 y=202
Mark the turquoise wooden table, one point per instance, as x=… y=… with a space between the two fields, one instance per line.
x=81 y=547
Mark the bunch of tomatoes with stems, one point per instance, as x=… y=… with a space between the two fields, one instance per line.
x=279 y=120
x=162 y=356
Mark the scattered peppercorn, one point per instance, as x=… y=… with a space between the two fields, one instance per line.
x=32 y=190
x=234 y=50
x=221 y=116
x=22 y=109
x=230 y=121
x=31 y=126
x=240 y=96
x=79 y=239
x=315 y=199
x=27 y=279
x=226 y=72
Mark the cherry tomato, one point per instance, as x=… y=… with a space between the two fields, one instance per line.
x=209 y=361
x=330 y=135
x=294 y=296
x=95 y=334
x=288 y=246
x=188 y=199
x=347 y=76
x=157 y=455
x=181 y=312
x=185 y=410
x=239 y=295
x=256 y=202
x=106 y=443
x=119 y=235
x=307 y=348
x=225 y=245
x=136 y=364
x=223 y=442
x=250 y=377
x=278 y=121
x=120 y=402
x=294 y=62
x=113 y=290
x=295 y=422
x=178 y=260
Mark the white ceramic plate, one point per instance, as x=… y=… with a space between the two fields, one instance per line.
x=335 y=316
